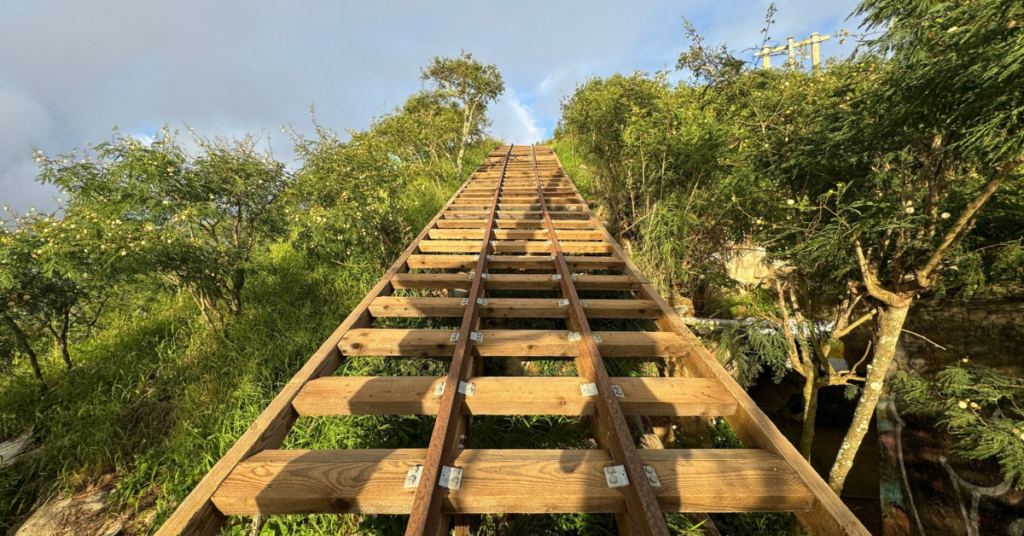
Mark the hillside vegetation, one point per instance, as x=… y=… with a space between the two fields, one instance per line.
x=881 y=179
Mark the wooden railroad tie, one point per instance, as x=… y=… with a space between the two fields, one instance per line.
x=518 y=224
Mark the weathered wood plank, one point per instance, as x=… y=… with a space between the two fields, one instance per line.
x=389 y=306
x=515 y=281
x=502 y=343
x=510 y=223
x=512 y=234
x=514 y=262
x=512 y=246
x=514 y=395
x=508 y=481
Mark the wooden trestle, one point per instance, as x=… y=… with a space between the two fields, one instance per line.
x=519 y=223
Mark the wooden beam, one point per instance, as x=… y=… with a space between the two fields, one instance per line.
x=512 y=234
x=502 y=343
x=508 y=481
x=508 y=223
x=388 y=306
x=510 y=395
x=513 y=262
x=515 y=281
x=511 y=246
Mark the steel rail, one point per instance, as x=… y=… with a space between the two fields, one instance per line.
x=644 y=513
x=425 y=517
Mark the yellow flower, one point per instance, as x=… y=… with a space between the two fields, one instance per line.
x=963 y=405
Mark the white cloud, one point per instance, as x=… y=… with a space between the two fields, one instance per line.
x=71 y=70
x=514 y=121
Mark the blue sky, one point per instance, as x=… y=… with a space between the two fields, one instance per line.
x=71 y=70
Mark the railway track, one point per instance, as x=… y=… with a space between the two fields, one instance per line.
x=519 y=226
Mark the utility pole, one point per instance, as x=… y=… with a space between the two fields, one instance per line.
x=766 y=52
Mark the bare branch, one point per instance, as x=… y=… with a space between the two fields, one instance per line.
x=864 y=318
x=794 y=355
x=937 y=345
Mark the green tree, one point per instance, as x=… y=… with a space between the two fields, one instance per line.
x=981 y=408
x=662 y=172
x=348 y=201
x=867 y=181
x=471 y=84
x=899 y=171
x=196 y=221
x=53 y=282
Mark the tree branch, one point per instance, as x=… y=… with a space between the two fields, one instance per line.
x=868 y=276
x=925 y=276
x=843 y=332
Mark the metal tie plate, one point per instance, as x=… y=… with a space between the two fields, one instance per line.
x=451 y=477
x=615 y=476
x=412 y=478
x=588 y=389
x=652 y=477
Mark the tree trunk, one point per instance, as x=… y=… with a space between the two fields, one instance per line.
x=62 y=339
x=237 y=282
x=23 y=344
x=62 y=343
x=462 y=147
x=888 y=326
x=470 y=114
x=810 y=409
